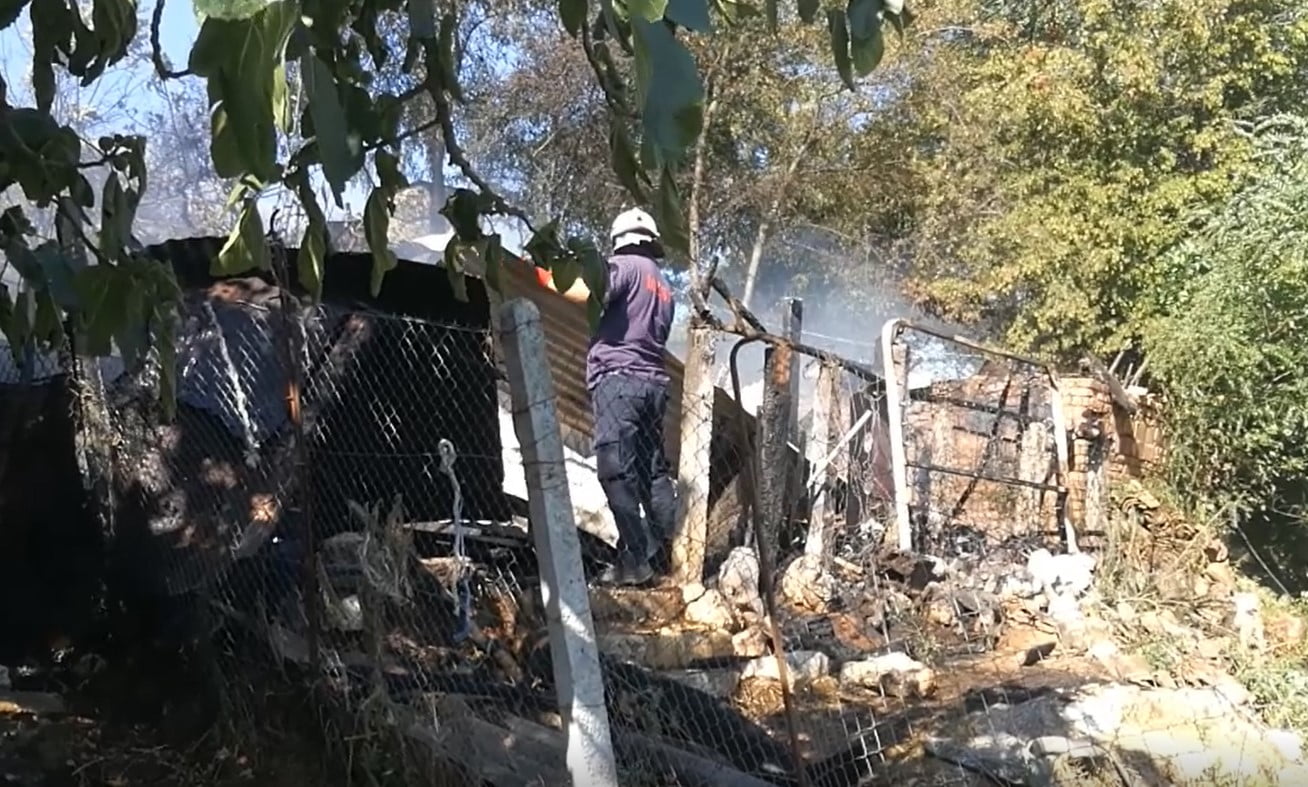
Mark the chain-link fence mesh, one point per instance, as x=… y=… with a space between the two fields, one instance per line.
x=852 y=573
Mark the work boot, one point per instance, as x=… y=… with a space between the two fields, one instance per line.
x=627 y=571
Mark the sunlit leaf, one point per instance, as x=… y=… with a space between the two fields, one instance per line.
x=339 y=150
x=839 y=31
x=312 y=257
x=246 y=247
x=670 y=88
x=573 y=14
x=453 y=264
x=493 y=261
x=376 y=228
x=647 y=10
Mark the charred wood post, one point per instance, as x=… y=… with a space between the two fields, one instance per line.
x=778 y=416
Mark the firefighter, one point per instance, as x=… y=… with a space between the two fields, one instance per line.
x=628 y=386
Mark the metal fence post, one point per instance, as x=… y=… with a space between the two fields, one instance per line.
x=577 y=676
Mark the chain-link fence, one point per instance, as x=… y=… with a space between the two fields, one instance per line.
x=843 y=572
x=874 y=578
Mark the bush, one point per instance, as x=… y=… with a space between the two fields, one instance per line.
x=1230 y=351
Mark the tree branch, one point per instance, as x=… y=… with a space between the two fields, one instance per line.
x=697 y=178
x=156 y=51
x=445 y=118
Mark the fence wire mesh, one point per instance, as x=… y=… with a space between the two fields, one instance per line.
x=346 y=492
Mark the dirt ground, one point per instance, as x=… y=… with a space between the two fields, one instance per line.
x=136 y=720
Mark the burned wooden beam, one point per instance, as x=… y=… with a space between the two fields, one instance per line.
x=1119 y=393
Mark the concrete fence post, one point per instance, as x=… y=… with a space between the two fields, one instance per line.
x=693 y=464
x=577 y=676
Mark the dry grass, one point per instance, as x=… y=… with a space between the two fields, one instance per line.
x=1177 y=582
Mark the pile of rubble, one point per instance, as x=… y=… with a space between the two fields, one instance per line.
x=899 y=625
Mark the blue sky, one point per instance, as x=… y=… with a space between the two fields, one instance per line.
x=127 y=83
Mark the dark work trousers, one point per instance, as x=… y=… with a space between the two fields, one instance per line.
x=630 y=460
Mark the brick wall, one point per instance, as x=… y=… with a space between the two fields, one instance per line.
x=955 y=425
x=1133 y=444
x=989 y=426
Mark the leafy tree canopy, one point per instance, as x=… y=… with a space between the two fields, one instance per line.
x=295 y=93
x=1058 y=149
x=1227 y=342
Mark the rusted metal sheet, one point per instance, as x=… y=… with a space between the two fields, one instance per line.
x=567 y=335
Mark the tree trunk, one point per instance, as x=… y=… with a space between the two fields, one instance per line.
x=755 y=257
x=697 y=177
x=764 y=232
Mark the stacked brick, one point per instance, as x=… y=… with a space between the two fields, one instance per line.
x=1133 y=443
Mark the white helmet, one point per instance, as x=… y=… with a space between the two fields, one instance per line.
x=633 y=226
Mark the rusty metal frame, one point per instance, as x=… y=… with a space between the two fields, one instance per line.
x=897 y=396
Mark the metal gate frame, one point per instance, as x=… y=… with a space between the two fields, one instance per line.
x=897 y=395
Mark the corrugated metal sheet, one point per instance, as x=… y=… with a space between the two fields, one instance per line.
x=567 y=337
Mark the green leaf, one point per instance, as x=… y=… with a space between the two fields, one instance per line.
x=646 y=10
x=808 y=10
x=463 y=211
x=866 y=42
x=18 y=328
x=281 y=100
x=840 y=46
x=690 y=14
x=52 y=29
x=102 y=291
x=623 y=159
x=573 y=13
x=770 y=7
x=163 y=321
x=565 y=270
x=594 y=268
x=671 y=92
x=868 y=53
x=58 y=271
x=38 y=154
x=388 y=171
x=9 y=11
x=47 y=327
x=671 y=216
x=376 y=226
x=239 y=59
x=312 y=256
x=340 y=150
x=246 y=247
x=115 y=28
x=493 y=261
x=7 y=321
x=453 y=262
x=116 y=216
x=544 y=248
